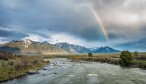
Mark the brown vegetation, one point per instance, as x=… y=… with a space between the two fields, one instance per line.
x=12 y=66
x=6 y=55
x=139 y=58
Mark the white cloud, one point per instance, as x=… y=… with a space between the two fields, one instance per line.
x=35 y=37
x=73 y=40
x=123 y=19
x=64 y=38
x=2 y=40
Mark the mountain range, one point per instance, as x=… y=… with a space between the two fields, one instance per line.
x=32 y=47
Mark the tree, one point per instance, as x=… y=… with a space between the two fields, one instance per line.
x=126 y=58
x=90 y=55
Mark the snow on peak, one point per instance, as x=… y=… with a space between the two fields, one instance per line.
x=95 y=48
x=27 y=43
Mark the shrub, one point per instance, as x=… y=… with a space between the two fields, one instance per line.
x=125 y=58
x=18 y=67
x=6 y=55
x=90 y=55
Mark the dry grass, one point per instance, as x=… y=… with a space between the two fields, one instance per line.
x=113 y=58
x=19 y=66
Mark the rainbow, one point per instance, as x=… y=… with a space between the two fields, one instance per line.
x=100 y=22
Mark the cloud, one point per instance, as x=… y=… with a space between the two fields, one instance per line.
x=2 y=40
x=137 y=45
x=123 y=20
x=35 y=37
x=9 y=35
x=61 y=37
x=71 y=17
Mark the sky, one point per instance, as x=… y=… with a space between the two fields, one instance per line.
x=120 y=24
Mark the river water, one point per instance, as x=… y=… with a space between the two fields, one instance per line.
x=63 y=71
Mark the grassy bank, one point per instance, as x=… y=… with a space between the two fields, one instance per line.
x=138 y=61
x=15 y=66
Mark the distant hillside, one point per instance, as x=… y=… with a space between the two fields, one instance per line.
x=31 y=47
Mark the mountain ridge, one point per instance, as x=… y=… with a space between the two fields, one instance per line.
x=32 y=47
x=82 y=49
x=29 y=46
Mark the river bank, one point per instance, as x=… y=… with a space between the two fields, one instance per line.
x=65 y=71
x=18 y=66
x=111 y=58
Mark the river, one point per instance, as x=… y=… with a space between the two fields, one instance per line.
x=63 y=71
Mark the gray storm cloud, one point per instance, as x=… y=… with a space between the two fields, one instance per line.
x=72 y=17
x=87 y=20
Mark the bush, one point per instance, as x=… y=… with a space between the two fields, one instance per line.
x=125 y=58
x=6 y=55
x=90 y=55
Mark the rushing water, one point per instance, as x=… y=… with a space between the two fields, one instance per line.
x=63 y=71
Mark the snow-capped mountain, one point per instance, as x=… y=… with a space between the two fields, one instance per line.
x=27 y=43
x=105 y=49
x=94 y=49
x=72 y=48
x=31 y=47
